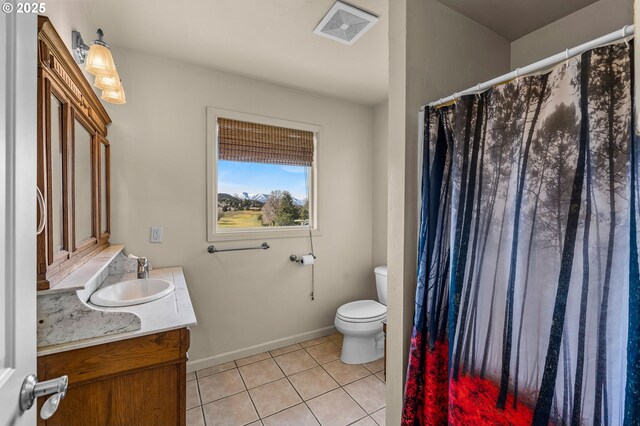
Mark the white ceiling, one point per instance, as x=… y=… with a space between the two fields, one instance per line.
x=514 y=18
x=269 y=40
x=273 y=40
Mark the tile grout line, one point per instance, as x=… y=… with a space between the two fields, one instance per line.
x=287 y=378
x=298 y=393
x=353 y=381
x=204 y=419
x=374 y=420
x=201 y=406
x=345 y=391
x=199 y=394
x=270 y=356
x=357 y=403
x=319 y=345
x=246 y=389
x=253 y=362
x=226 y=396
x=217 y=372
x=302 y=399
x=356 y=421
x=320 y=394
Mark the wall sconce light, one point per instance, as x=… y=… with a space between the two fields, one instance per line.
x=114 y=96
x=107 y=82
x=99 y=62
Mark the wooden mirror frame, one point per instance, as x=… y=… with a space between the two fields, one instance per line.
x=60 y=76
x=104 y=236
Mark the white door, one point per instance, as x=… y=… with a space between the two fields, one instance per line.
x=18 y=79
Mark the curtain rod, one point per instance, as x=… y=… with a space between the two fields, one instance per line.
x=626 y=31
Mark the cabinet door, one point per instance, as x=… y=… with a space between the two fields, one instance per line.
x=138 y=381
x=146 y=398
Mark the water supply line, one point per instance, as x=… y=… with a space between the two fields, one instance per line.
x=313 y=253
x=313 y=266
x=301 y=259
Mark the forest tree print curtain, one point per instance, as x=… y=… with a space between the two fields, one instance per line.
x=528 y=298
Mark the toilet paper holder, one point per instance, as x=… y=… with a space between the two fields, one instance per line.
x=297 y=259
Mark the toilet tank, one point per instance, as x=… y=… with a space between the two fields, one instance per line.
x=381 y=283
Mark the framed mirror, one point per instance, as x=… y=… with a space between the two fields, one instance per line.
x=56 y=194
x=105 y=176
x=73 y=163
x=83 y=201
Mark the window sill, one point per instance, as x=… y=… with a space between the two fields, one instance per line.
x=262 y=235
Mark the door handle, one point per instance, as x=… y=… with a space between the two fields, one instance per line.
x=32 y=389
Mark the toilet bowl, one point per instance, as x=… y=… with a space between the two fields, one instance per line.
x=361 y=324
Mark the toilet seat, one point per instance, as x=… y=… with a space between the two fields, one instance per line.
x=362 y=311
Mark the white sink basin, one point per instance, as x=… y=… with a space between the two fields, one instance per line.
x=132 y=292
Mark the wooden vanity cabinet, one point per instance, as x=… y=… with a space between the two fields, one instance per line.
x=73 y=162
x=139 y=381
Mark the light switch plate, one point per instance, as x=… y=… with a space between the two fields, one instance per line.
x=156 y=234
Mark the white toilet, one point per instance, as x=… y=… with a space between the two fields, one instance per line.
x=361 y=324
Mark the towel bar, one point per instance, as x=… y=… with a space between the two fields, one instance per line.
x=213 y=249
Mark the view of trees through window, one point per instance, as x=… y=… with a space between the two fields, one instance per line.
x=256 y=195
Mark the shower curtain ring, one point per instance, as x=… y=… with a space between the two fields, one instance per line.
x=624 y=35
x=624 y=31
x=517 y=74
x=566 y=55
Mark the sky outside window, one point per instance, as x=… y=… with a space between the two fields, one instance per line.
x=236 y=177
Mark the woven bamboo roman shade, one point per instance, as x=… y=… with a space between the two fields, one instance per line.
x=261 y=143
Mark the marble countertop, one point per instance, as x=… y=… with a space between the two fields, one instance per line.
x=168 y=313
x=86 y=273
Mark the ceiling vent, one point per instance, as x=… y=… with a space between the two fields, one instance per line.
x=345 y=23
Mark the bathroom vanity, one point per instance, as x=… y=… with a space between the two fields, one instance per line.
x=126 y=365
x=134 y=381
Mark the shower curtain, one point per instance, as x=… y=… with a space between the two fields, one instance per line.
x=528 y=296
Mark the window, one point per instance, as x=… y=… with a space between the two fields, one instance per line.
x=261 y=176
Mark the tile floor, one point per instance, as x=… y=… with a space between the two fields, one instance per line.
x=298 y=385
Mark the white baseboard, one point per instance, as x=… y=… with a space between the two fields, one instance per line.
x=199 y=364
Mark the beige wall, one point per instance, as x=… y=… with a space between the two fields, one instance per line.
x=245 y=302
x=431 y=49
x=241 y=299
x=379 y=180
x=67 y=16
x=586 y=24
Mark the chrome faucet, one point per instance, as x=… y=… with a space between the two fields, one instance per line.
x=143 y=268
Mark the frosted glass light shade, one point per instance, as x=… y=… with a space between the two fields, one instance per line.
x=99 y=61
x=114 y=96
x=107 y=82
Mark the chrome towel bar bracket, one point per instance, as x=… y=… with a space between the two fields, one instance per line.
x=213 y=249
